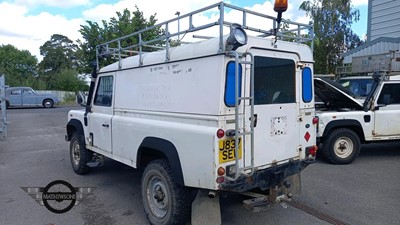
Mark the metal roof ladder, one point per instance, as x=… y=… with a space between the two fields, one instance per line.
x=244 y=105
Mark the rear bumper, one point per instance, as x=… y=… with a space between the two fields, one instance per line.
x=265 y=179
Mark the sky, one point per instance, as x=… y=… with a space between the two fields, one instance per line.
x=28 y=24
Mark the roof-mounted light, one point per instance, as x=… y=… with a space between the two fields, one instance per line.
x=280 y=6
x=237 y=37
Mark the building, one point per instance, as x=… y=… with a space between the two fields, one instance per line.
x=383 y=19
x=383 y=41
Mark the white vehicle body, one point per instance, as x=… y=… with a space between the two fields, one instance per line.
x=377 y=121
x=150 y=107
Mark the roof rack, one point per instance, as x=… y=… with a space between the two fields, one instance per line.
x=303 y=33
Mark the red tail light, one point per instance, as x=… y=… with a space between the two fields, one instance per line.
x=220 y=133
x=312 y=150
x=315 y=120
x=220 y=180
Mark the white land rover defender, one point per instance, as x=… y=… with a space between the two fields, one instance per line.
x=346 y=122
x=231 y=113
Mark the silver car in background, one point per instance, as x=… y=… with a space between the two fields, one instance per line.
x=26 y=96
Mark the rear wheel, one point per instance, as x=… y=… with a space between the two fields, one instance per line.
x=79 y=155
x=48 y=103
x=164 y=201
x=342 y=146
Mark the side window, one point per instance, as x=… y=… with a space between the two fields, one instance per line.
x=16 y=92
x=104 y=91
x=390 y=94
x=230 y=84
x=27 y=92
x=274 y=81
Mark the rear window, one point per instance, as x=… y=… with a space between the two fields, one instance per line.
x=274 y=81
x=16 y=92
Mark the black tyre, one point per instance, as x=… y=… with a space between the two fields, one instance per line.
x=48 y=103
x=79 y=155
x=341 y=146
x=165 y=201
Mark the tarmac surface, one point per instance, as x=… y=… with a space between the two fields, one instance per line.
x=35 y=154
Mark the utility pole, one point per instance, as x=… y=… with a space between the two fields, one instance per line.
x=392 y=57
x=177 y=14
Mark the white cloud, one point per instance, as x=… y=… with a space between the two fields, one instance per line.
x=53 y=3
x=165 y=10
x=29 y=32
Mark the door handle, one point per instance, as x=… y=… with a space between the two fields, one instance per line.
x=254 y=121
x=105 y=125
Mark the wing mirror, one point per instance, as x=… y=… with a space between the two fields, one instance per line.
x=81 y=98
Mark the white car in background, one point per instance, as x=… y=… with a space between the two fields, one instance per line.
x=360 y=86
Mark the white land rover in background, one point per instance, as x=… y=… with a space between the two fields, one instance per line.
x=345 y=122
x=231 y=113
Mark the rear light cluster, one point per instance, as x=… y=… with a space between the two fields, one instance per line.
x=311 y=151
x=315 y=120
x=229 y=171
x=221 y=173
x=221 y=170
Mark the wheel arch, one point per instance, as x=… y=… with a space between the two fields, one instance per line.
x=72 y=126
x=156 y=148
x=353 y=125
x=47 y=99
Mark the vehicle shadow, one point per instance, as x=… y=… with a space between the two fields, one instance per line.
x=380 y=149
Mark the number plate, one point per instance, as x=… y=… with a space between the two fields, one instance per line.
x=227 y=150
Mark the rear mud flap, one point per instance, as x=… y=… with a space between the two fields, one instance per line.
x=206 y=210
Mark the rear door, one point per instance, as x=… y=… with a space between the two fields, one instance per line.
x=16 y=97
x=102 y=113
x=276 y=134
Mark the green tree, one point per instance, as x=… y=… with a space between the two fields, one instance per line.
x=332 y=29
x=68 y=80
x=18 y=66
x=125 y=23
x=59 y=53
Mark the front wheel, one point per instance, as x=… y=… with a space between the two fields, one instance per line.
x=342 y=146
x=165 y=201
x=79 y=155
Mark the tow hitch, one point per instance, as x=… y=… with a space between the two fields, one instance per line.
x=261 y=202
